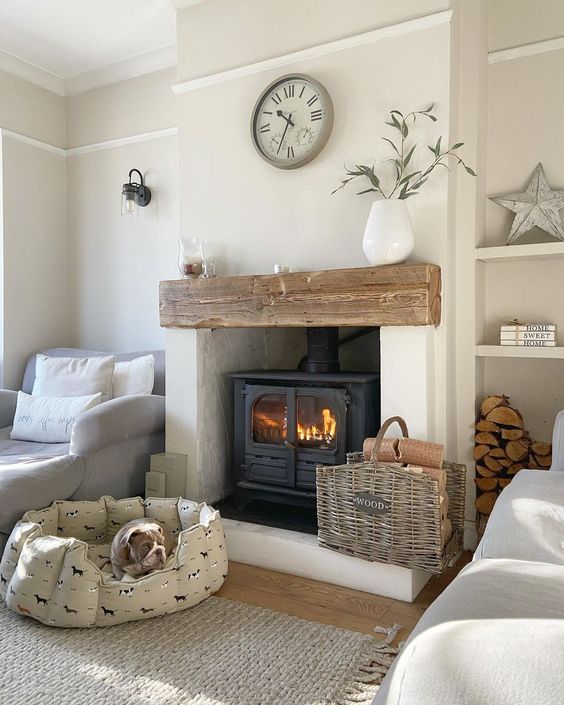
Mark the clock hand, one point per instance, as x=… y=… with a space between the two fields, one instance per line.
x=284 y=133
x=288 y=119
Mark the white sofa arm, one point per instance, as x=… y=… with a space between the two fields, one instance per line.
x=8 y=400
x=558 y=443
x=116 y=421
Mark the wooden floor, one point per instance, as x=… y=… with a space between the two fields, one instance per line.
x=329 y=604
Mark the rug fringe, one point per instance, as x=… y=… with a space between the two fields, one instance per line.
x=390 y=632
x=374 y=661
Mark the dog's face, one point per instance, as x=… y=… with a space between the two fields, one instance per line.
x=141 y=546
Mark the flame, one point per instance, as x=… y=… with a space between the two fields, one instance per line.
x=324 y=434
x=268 y=429
x=272 y=428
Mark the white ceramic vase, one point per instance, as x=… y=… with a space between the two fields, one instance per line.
x=388 y=235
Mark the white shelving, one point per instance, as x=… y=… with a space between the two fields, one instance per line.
x=519 y=351
x=506 y=253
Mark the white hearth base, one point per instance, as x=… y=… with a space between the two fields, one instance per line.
x=300 y=554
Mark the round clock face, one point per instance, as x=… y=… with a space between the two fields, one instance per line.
x=292 y=121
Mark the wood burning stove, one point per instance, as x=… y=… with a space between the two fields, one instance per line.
x=287 y=422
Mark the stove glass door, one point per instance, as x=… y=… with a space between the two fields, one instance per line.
x=316 y=423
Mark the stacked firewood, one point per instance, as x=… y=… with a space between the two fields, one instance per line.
x=502 y=447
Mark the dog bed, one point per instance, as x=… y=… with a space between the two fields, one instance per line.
x=56 y=568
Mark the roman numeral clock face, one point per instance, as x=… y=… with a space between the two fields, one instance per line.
x=292 y=121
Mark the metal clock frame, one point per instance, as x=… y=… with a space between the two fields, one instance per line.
x=324 y=134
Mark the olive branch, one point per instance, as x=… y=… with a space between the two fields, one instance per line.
x=407 y=183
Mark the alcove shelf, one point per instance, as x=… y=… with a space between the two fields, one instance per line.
x=507 y=253
x=555 y=353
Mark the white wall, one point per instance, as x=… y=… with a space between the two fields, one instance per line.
x=115 y=263
x=267 y=215
x=251 y=30
x=35 y=261
x=34 y=292
x=31 y=111
x=121 y=109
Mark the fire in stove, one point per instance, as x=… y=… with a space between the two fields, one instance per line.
x=316 y=423
x=322 y=434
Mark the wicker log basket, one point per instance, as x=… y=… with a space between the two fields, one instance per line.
x=381 y=511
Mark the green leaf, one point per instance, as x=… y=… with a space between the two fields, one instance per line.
x=397 y=112
x=431 y=148
x=409 y=155
x=470 y=171
x=428 y=110
x=457 y=145
x=390 y=142
x=404 y=130
x=431 y=117
x=438 y=147
x=394 y=123
x=368 y=190
x=397 y=165
x=407 y=178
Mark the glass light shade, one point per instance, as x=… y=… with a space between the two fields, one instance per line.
x=190 y=257
x=129 y=207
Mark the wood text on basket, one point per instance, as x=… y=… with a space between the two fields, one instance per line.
x=371 y=504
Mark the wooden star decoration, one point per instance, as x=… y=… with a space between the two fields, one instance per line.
x=537 y=206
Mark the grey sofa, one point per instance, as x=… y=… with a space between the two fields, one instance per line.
x=496 y=634
x=108 y=452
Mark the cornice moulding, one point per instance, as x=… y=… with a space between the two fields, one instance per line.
x=132 y=67
x=32 y=74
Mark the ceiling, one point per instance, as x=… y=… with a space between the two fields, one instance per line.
x=64 y=39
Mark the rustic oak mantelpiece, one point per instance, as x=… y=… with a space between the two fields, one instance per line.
x=395 y=295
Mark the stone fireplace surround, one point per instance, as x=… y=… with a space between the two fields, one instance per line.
x=199 y=401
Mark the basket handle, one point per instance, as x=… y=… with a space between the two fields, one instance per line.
x=381 y=433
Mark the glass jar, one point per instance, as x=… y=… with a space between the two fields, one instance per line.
x=190 y=257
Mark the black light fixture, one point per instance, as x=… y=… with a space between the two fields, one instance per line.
x=134 y=194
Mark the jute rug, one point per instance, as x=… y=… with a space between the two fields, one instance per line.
x=218 y=653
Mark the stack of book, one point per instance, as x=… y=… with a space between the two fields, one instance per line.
x=535 y=335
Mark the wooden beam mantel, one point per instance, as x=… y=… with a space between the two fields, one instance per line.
x=395 y=295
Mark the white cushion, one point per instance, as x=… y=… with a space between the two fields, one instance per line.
x=134 y=376
x=73 y=376
x=49 y=419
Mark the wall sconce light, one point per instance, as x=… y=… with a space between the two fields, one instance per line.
x=133 y=195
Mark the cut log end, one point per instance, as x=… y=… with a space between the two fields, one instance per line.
x=493 y=402
x=506 y=416
x=485 y=502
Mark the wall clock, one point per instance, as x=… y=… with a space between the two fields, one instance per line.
x=292 y=121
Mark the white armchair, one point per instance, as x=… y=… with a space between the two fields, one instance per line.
x=558 y=443
x=108 y=452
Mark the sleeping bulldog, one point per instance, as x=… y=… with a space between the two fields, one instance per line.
x=141 y=546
